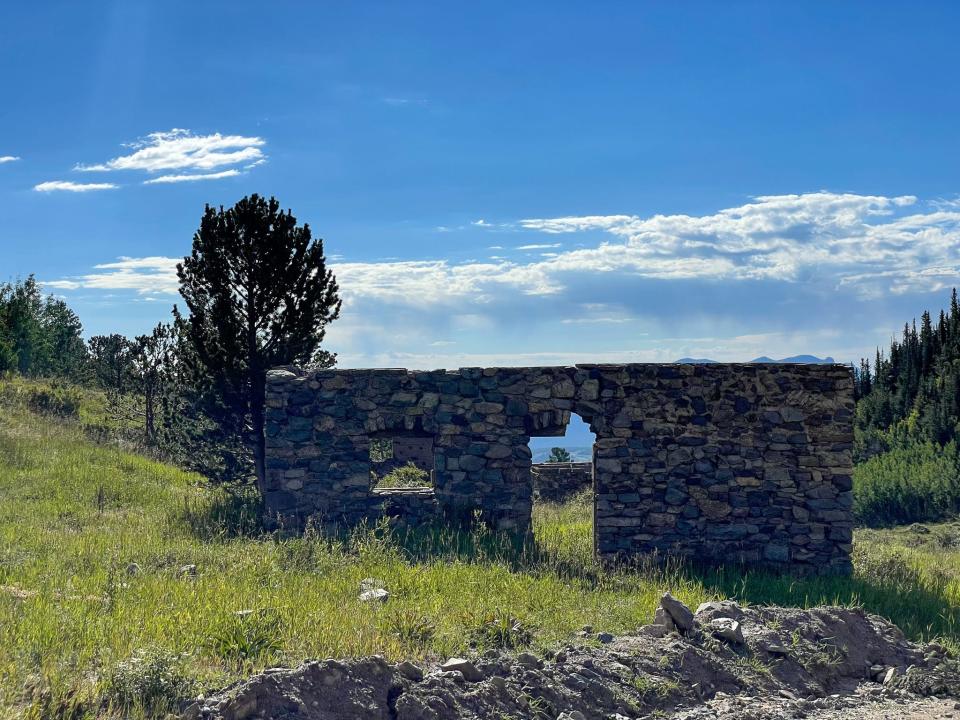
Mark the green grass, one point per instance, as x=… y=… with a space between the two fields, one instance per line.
x=82 y=631
x=406 y=476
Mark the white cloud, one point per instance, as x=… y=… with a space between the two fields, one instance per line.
x=539 y=246
x=775 y=276
x=831 y=240
x=164 y=179
x=180 y=149
x=8 y=159
x=843 y=237
x=147 y=276
x=481 y=223
x=68 y=186
x=575 y=224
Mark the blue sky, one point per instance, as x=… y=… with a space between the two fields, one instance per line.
x=502 y=183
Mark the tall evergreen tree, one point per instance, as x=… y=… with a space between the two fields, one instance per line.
x=915 y=390
x=259 y=294
x=39 y=335
x=110 y=359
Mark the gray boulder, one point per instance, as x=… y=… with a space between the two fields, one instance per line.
x=681 y=615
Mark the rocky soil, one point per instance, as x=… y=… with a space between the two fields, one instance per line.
x=724 y=661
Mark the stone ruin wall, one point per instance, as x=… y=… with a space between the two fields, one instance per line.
x=557 y=481
x=748 y=463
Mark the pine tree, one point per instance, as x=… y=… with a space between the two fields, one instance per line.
x=110 y=359
x=38 y=335
x=915 y=391
x=259 y=295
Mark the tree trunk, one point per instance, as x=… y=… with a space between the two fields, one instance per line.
x=149 y=429
x=258 y=391
x=258 y=381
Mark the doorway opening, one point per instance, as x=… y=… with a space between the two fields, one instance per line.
x=562 y=474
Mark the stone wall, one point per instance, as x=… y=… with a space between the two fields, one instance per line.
x=717 y=462
x=554 y=482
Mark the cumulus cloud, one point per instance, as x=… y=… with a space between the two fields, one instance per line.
x=8 y=159
x=822 y=273
x=843 y=238
x=180 y=149
x=68 y=186
x=166 y=179
x=873 y=243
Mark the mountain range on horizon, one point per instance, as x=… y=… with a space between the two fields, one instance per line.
x=763 y=359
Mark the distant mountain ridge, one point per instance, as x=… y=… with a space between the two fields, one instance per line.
x=763 y=359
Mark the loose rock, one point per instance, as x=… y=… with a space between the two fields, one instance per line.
x=375 y=595
x=727 y=629
x=680 y=614
x=464 y=667
x=410 y=671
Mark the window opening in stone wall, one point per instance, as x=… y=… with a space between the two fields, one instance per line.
x=401 y=461
x=562 y=474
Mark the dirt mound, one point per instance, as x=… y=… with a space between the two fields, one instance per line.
x=724 y=661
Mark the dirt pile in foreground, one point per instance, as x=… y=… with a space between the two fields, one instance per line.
x=724 y=661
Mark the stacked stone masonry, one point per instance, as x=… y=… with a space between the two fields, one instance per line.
x=748 y=463
x=557 y=481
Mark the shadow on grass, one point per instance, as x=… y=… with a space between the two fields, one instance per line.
x=922 y=601
x=224 y=513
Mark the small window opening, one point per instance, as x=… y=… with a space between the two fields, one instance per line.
x=401 y=461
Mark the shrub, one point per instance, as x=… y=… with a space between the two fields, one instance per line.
x=916 y=482
x=153 y=680
x=51 y=398
x=408 y=475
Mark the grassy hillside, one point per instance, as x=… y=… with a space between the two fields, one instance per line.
x=124 y=578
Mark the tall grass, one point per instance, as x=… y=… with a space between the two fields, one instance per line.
x=120 y=575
